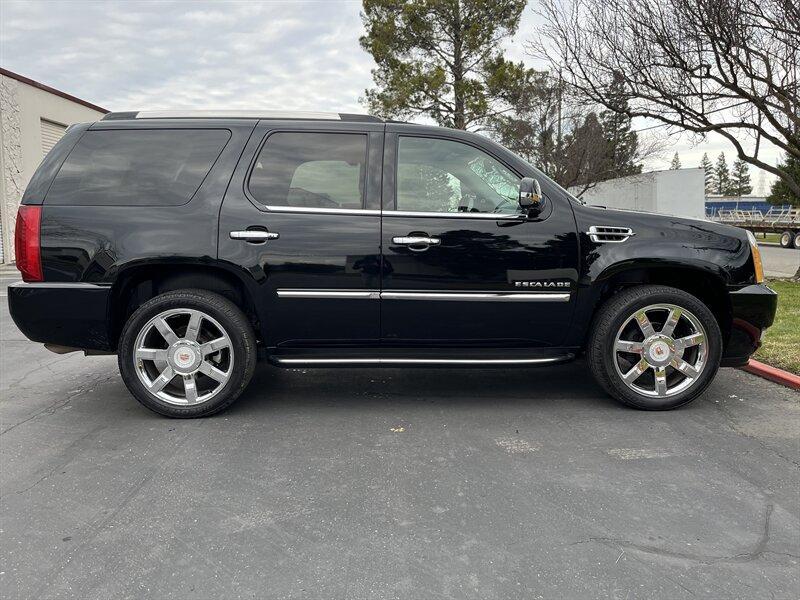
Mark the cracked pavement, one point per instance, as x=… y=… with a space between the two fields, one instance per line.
x=411 y=483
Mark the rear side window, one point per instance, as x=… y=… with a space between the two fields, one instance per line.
x=311 y=170
x=152 y=167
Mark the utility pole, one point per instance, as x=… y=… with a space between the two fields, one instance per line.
x=558 y=108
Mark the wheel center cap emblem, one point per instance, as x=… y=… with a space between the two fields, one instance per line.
x=659 y=351
x=184 y=358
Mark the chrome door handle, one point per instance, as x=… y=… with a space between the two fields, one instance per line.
x=254 y=235
x=416 y=240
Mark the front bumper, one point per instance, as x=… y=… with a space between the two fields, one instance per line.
x=752 y=310
x=64 y=314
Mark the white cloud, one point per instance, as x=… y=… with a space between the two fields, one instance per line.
x=145 y=55
x=136 y=55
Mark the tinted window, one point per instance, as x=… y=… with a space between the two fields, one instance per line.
x=137 y=167
x=436 y=175
x=311 y=170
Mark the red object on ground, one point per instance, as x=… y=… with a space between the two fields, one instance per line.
x=773 y=374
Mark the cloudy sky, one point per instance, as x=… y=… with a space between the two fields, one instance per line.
x=292 y=54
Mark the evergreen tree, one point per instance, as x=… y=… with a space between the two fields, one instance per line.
x=722 y=176
x=622 y=142
x=708 y=169
x=676 y=162
x=740 y=179
x=443 y=59
x=780 y=192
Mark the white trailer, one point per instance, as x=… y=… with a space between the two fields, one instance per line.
x=679 y=192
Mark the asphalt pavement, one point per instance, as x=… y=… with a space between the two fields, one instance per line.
x=779 y=262
x=441 y=483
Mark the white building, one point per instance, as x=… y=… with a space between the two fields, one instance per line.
x=678 y=192
x=33 y=117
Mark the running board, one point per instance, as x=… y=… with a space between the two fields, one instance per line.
x=389 y=361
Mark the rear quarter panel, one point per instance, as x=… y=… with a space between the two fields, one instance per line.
x=96 y=243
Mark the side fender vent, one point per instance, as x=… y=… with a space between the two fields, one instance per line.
x=607 y=234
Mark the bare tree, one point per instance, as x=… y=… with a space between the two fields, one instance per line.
x=724 y=66
x=565 y=137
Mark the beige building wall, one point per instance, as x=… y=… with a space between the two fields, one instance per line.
x=23 y=108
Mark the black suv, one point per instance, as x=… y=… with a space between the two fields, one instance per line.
x=191 y=244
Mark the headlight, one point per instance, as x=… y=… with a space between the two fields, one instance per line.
x=756 y=257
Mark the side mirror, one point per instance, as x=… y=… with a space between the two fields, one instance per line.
x=530 y=196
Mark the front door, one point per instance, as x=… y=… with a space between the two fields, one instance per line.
x=461 y=265
x=302 y=217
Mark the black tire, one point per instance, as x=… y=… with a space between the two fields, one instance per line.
x=787 y=239
x=796 y=240
x=227 y=314
x=613 y=315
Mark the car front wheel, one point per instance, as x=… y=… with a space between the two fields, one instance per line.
x=654 y=347
x=187 y=353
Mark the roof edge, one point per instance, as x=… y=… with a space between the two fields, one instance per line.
x=51 y=90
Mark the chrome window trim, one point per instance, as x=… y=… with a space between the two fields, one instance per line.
x=419 y=361
x=389 y=213
x=455 y=215
x=446 y=296
x=321 y=211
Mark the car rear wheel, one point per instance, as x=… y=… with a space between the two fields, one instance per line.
x=787 y=239
x=187 y=353
x=654 y=347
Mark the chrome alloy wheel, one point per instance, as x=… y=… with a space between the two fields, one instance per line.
x=183 y=356
x=660 y=350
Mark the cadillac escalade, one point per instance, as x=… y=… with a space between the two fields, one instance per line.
x=193 y=244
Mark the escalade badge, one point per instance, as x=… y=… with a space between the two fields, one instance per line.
x=542 y=284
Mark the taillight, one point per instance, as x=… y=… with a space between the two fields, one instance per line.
x=26 y=242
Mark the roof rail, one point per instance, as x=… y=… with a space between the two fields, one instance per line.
x=240 y=114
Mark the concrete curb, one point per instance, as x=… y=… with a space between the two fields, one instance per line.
x=773 y=374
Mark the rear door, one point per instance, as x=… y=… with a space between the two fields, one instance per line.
x=462 y=266
x=302 y=217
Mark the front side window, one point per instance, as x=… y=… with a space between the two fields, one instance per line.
x=311 y=170
x=137 y=167
x=436 y=175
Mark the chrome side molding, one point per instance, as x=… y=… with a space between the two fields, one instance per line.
x=365 y=294
x=462 y=296
x=480 y=296
x=60 y=284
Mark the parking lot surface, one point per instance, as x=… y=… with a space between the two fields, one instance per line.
x=779 y=262
x=440 y=483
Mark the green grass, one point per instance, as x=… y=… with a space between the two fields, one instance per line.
x=775 y=238
x=781 y=346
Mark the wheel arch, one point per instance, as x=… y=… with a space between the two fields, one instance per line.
x=704 y=281
x=138 y=283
